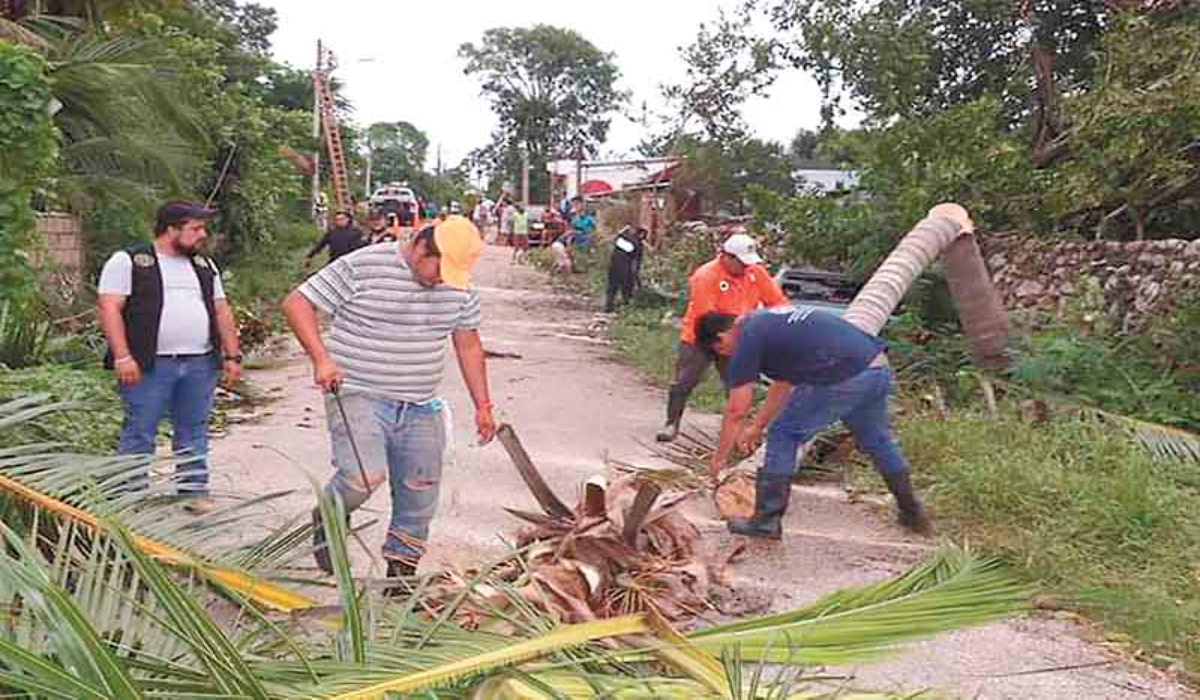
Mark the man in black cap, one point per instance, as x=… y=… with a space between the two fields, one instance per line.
x=341 y=239
x=379 y=232
x=170 y=334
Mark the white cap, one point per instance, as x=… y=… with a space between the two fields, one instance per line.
x=742 y=247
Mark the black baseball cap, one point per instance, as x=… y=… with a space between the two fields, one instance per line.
x=177 y=212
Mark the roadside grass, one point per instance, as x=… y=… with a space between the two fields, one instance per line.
x=1107 y=529
x=641 y=338
x=1103 y=528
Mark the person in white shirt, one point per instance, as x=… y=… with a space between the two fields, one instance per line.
x=171 y=333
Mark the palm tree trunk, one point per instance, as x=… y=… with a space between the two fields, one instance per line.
x=948 y=232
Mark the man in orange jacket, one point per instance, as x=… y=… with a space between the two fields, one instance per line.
x=735 y=282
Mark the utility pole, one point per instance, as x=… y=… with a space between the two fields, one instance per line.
x=578 y=168
x=525 y=177
x=367 y=178
x=438 y=169
x=316 y=135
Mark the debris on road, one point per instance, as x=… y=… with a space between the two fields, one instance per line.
x=622 y=549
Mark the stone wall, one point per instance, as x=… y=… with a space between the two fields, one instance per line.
x=1140 y=279
x=63 y=246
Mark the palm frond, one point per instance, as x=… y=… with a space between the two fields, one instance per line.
x=952 y=589
x=564 y=637
x=1162 y=441
x=86 y=490
x=219 y=657
x=76 y=643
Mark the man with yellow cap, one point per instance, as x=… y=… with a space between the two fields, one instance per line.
x=393 y=308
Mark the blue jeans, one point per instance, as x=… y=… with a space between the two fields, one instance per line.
x=179 y=388
x=860 y=402
x=399 y=442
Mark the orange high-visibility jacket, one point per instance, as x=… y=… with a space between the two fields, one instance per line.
x=711 y=288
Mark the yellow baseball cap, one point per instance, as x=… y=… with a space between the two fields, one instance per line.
x=459 y=243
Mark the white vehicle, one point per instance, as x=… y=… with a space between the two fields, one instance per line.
x=392 y=195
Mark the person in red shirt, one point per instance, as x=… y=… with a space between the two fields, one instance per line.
x=736 y=283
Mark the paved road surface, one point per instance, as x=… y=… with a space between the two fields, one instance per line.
x=571 y=401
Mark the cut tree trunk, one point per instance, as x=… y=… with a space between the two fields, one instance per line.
x=946 y=231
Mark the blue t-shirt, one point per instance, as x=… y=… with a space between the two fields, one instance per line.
x=583 y=223
x=800 y=346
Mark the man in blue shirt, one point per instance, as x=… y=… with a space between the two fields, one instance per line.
x=583 y=225
x=822 y=370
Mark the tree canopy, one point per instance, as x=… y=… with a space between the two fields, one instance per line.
x=398 y=151
x=553 y=93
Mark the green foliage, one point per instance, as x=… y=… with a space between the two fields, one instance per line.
x=398 y=151
x=726 y=66
x=263 y=273
x=24 y=332
x=825 y=230
x=93 y=427
x=1133 y=137
x=28 y=148
x=552 y=92
x=1108 y=527
x=960 y=155
x=724 y=171
x=914 y=58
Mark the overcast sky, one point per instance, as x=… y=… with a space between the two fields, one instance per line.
x=398 y=60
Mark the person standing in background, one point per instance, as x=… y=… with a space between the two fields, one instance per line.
x=735 y=282
x=583 y=226
x=624 y=267
x=342 y=239
x=170 y=333
x=520 y=233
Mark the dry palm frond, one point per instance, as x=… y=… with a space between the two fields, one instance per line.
x=1162 y=441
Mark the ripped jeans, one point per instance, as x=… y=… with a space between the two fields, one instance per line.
x=399 y=442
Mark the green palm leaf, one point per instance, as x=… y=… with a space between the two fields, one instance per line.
x=225 y=666
x=951 y=590
x=75 y=641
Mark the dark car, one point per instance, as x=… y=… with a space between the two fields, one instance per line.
x=818 y=289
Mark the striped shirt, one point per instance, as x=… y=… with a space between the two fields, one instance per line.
x=389 y=333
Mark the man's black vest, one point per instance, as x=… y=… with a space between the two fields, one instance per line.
x=144 y=307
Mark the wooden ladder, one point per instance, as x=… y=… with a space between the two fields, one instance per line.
x=333 y=142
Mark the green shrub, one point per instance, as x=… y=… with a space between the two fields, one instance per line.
x=24 y=332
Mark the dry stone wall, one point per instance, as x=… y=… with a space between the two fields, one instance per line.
x=1140 y=279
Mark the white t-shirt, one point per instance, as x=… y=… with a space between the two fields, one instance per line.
x=183 y=328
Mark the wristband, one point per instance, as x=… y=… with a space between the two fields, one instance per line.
x=123 y=360
x=234 y=358
x=485 y=406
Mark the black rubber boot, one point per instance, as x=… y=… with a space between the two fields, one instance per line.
x=320 y=549
x=400 y=572
x=771 y=495
x=911 y=512
x=676 y=402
